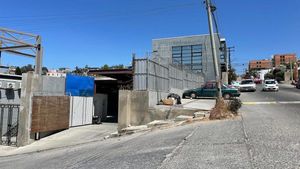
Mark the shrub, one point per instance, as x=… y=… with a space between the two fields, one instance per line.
x=234 y=105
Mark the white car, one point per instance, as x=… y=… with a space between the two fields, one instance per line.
x=247 y=85
x=270 y=85
x=235 y=84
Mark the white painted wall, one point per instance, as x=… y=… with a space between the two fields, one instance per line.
x=81 y=111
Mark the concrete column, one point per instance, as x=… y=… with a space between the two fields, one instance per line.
x=287 y=77
x=225 y=77
x=23 y=137
x=124 y=109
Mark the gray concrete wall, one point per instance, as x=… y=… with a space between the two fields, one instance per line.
x=133 y=108
x=155 y=97
x=162 y=49
x=48 y=86
x=35 y=85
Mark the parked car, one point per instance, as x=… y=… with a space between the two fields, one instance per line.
x=210 y=90
x=235 y=84
x=270 y=85
x=247 y=85
x=257 y=81
x=298 y=84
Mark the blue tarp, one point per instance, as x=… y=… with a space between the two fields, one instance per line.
x=79 y=85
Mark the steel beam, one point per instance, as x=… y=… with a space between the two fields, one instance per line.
x=20 y=53
x=13 y=43
x=18 y=32
x=15 y=47
x=17 y=41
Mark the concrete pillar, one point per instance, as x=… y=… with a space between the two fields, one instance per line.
x=225 y=77
x=23 y=137
x=124 y=109
x=296 y=75
x=287 y=76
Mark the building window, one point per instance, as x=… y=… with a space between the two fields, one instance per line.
x=190 y=56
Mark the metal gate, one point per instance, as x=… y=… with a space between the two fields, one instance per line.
x=9 y=117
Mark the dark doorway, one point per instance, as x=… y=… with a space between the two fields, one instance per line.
x=108 y=83
x=110 y=89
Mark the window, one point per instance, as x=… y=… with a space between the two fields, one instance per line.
x=190 y=56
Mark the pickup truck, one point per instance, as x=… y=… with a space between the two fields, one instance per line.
x=210 y=90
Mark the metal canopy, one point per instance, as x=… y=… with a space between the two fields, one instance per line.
x=24 y=44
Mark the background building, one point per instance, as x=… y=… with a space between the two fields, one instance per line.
x=284 y=59
x=191 y=53
x=260 y=64
x=56 y=73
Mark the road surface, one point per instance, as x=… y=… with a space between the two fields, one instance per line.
x=267 y=135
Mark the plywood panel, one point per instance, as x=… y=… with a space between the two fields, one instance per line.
x=50 y=113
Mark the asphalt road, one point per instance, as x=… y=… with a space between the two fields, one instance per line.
x=267 y=135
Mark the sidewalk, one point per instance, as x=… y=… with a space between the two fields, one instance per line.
x=286 y=85
x=71 y=137
x=204 y=104
x=90 y=133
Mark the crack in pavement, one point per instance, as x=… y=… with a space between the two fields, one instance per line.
x=248 y=145
x=176 y=149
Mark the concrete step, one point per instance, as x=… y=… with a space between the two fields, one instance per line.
x=183 y=118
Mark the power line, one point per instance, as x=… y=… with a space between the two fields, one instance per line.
x=113 y=13
x=230 y=50
x=79 y=18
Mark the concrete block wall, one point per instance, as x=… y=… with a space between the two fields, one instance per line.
x=133 y=108
x=35 y=85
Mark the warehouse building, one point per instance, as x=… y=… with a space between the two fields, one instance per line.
x=191 y=52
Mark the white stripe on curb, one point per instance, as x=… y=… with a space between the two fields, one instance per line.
x=273 y=102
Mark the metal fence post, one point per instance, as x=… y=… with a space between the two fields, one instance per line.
x=1 y=123
x=9 y=123
x=147 y=74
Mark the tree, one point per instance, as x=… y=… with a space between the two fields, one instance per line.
x=105 y=67
x=78 y=70
x=18 y=71
x=253 y=73
x=27 y=68
x=44 y=70
x=269 y=75
x=120 y=66
x=231 y=75
x=279 y=76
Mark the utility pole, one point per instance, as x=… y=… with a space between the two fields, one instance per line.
x=0 y=56
x=230 y=49
x=291 y=70
x=210 y=8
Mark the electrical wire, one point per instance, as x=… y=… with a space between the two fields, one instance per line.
x=36 y=22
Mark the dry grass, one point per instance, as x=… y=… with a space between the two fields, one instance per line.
x=220 y=111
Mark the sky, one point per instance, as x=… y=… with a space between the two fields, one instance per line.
x=98 y=32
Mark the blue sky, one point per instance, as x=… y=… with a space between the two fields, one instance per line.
x=98 y=32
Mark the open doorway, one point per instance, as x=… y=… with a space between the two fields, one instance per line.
x=107 y=86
